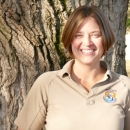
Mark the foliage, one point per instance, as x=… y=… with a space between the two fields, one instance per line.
x=128 y=23
x=128 y=17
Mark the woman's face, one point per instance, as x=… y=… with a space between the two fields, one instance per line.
x=87 y=45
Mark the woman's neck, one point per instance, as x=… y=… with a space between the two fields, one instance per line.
x=85 y=70
x=87 y=74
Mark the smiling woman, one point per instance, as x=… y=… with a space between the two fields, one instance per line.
x=85 y=90
x=77 y=19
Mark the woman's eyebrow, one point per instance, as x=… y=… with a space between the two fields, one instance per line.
x=96 y=31
x=79 y=32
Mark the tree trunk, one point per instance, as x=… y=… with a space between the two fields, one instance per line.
x=30 y=33
x=117 y=14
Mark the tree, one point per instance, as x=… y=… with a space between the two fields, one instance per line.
x=128 y=19
x=30 y=33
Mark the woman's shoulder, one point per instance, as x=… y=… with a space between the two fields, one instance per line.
x=123 y=78
x=43 y=81
x=48 y=76
x=126 y=80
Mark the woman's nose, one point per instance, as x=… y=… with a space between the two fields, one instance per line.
x=87 y=40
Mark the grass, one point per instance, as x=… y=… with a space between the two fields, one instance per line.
x=128 y=67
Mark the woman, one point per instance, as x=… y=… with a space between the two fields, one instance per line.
x=84 y=94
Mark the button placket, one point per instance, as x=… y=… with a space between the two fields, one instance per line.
x=90 y=99
x=90 y=102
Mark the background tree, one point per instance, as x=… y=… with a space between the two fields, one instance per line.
x=128 y=19
x=30 y=33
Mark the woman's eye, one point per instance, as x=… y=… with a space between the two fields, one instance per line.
x=78 y=35
x=96 y=35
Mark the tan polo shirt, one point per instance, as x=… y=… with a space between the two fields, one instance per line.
x=61 y=104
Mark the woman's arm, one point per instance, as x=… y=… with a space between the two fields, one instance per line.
x=33 y=113
x=127 y=113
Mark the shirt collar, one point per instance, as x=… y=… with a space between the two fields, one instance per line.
x=105 y=66
x=66 y=70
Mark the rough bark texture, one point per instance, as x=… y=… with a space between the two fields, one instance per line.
x=116 y=12
x=30 y=32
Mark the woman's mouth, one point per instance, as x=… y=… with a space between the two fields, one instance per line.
x=86 y=51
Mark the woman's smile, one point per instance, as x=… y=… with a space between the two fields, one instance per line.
x=87 y=51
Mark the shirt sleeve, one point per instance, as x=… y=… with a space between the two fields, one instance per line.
x=33 y=114
x=127 y=118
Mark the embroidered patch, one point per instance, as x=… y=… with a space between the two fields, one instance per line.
x=110 y=96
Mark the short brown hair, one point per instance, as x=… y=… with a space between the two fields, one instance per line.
x=77 y=17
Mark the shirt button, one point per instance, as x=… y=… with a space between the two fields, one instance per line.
x=91 y=102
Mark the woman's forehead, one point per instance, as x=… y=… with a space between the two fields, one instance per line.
x=91 y=20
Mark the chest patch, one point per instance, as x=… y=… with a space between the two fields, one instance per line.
x=110 y=96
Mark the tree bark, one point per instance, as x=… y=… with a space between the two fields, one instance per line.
x=116 y=12
x=30 y=44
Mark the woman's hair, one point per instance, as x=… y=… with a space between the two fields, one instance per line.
x=76 y=19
